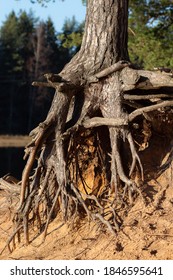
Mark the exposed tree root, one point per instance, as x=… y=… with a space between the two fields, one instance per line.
x=63 y=148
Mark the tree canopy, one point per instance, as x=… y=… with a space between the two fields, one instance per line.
x=151 y=33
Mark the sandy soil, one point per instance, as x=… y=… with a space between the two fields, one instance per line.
x=146 y=233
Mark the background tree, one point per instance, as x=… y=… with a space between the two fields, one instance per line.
x=71 y=36
x=16 y=54
x=15 y=79
x=151 y=33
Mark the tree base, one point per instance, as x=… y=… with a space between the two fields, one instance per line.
x=74 y=141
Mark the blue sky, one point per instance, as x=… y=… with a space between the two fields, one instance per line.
x=58 y=11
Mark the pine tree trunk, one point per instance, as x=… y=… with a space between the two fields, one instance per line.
x=105 y=37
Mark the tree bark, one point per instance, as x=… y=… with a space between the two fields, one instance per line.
x=105 y=38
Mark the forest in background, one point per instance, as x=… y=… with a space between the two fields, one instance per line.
x=30 y=48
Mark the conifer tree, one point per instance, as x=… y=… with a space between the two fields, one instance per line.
x=98 y=96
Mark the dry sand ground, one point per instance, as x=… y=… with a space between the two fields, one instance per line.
x=147 y=231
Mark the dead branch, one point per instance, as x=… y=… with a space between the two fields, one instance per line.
x=41 y=84
x=146 y=97
x=143 y=79
x=154 y=80
x=104 y=73
x=140 y=111
x=98 y=121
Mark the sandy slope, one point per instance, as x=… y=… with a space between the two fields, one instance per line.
x=147 y=231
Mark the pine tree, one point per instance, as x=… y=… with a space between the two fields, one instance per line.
x=151 y=33
x=90 y=123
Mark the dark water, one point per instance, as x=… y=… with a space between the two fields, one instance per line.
x=11 y=161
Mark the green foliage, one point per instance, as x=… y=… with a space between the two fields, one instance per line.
x=151 y=33
x=71 y=36
x=15 y=39
x=28 y=49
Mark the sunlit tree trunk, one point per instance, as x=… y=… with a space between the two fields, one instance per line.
x=105 y=37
